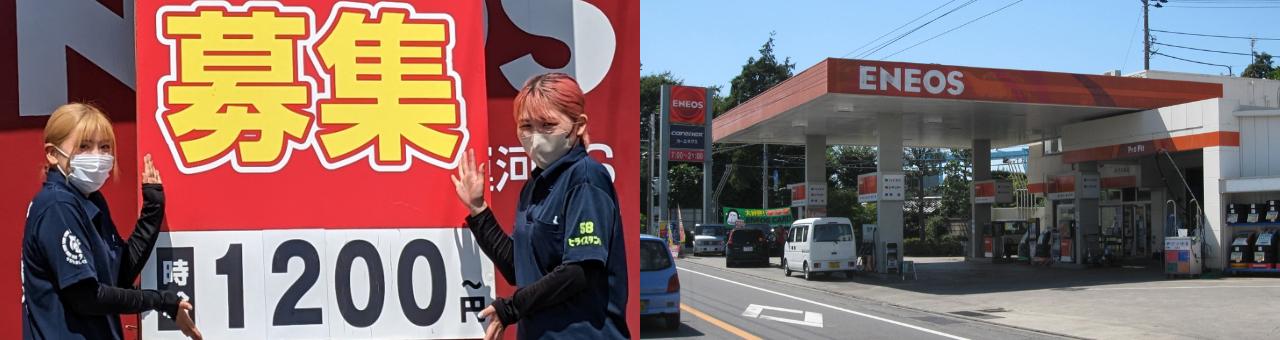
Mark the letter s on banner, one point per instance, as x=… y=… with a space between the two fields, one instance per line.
x=583 y=27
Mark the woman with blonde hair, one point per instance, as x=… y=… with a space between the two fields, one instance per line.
x=77 y=274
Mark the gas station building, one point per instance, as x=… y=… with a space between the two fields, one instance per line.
x=1111 y=156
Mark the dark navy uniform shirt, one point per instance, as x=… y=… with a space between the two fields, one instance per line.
x=569 y=213
x=68 y=238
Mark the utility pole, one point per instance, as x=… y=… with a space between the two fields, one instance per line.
x=1146 y=31
x=653 y=152
x=1146 y=37
x=764 y=176
x=708 y=159
x=664 y=138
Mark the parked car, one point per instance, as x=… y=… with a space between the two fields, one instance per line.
x=768 y=236
x=709 y=238
x=746 y=245
x=659 y=282
x=820 y=245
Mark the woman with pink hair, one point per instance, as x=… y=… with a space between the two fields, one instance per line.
x=566 y=256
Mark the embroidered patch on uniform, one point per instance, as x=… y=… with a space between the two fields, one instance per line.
x=586 y=235
x=71 y=246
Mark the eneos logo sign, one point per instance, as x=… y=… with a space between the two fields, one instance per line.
x=688 y=105
x=910 y=80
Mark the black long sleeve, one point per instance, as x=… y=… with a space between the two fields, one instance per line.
x=494 y=242
x=555 y=288
x=89 y=297
x=144 y=236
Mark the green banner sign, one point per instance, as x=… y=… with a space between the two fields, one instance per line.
x=773 y=217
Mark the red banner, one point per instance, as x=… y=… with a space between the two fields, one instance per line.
x=325 y=185
x=317 y=130
x=328 y=125
x=529 y=37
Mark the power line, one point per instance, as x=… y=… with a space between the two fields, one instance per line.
x=913 y=30
x=1134 y=33
x=731 y=148
x=899 y=27
x=1225 y=1
x=1229 y=70
x=1219 y=7
x=953 y=29
x=1201 y=49
x=1213 y=35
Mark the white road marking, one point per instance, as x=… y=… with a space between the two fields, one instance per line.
x=1178 y=287
x=873 y=317
x=811 y=319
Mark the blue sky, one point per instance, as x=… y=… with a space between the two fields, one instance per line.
x=706 y=42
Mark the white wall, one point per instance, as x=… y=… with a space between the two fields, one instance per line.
x=1041 y=166
x=1235 y=90
x=1259 y=146
x=1219 y=163
x=1178 y=120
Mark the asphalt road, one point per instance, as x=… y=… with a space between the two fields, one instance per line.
x=722 y=304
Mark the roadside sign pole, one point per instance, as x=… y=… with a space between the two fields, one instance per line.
x=664 y=136
x=707 y=214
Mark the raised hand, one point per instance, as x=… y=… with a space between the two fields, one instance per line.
x=149 y=173
x=470 y=184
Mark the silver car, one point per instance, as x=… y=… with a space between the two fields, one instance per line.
x=709 y=238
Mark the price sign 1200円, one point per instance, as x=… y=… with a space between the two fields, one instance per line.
x=306 y=148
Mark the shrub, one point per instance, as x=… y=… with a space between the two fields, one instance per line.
x=916 y=247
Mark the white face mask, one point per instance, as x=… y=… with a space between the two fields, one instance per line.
x=88 y=171
x=546 y=148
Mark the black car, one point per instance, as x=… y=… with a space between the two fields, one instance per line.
x=746 y=245
x=771 y=246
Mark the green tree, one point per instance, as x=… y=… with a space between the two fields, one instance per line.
x=958 y=178
x=686 y=185
x=849 y=162
x=757 y=76
x=921 y=164
x=650 y=95
x=745 y=184
x=1260 y=68
x=845 y=164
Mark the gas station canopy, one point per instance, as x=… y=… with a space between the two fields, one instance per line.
x=940 y=105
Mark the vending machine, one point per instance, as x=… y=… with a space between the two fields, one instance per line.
x=1242 y=249
x=1264 y=251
